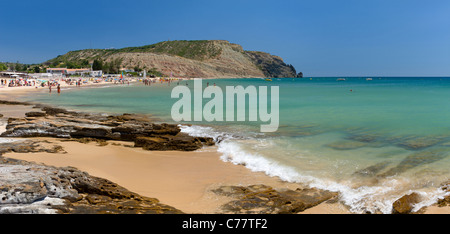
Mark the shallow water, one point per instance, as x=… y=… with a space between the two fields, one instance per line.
x=373 y=141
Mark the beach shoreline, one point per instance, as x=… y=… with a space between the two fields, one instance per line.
x=14 y=93
x=183 y=180
x=166 y=175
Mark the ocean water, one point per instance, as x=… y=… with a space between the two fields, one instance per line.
x=371 y=140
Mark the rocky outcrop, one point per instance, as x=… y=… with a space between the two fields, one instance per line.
x=405 y=204
x=8 y=102
x=30 y=146
x=30 y=188
x=272 y=66
x=180 y=141
x=60 y=123
x=446 y=200
x=262 y=199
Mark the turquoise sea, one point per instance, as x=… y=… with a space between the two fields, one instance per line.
x=372 y=140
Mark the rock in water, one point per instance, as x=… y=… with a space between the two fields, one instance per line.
x=405 y=204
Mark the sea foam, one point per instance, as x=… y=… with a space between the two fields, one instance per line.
x=360 y=199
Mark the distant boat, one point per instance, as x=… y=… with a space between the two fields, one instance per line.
x=340 y=79
x=268 y=79
x=368 y=78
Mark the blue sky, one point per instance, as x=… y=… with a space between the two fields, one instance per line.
x=318 y=37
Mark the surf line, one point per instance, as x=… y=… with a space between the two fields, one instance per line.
x=214 y=109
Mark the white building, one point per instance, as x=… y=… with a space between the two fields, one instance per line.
x=96 y=73
x=82 y=71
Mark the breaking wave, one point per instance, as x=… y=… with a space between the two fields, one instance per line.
x=373 y=198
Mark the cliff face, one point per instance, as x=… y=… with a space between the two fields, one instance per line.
x=271 y=65
x=202 y=59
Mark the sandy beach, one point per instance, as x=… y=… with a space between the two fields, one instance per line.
x=11 y=93
x=180 y=179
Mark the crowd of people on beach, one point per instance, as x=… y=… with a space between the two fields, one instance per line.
x=17 y=82
x=162 y=80
x=78 y=82
x=148 y=81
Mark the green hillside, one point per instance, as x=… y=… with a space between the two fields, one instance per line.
x=196 y=58
x=198 y=50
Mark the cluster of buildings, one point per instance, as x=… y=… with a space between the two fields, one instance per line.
x=67 y=71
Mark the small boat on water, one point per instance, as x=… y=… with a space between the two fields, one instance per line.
x=368 y=78
x=269 y=79
x=340 y=79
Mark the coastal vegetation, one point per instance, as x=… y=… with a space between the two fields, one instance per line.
x=21 y=67
x=3 y=67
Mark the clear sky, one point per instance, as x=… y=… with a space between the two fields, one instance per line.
x=318 y=37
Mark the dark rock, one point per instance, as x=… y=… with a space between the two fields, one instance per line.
x=262 y=199
x=164 y=129
x=417 y=143
x=5 y=102
x=405 y=204
x=30 y=146
x=206 y=141
x=54 y=111
x=86 y=140
x=181 y=142
x=446 y=200
x=364 y=137
x=35 y=114
x=150 y=143
x=346 y=145
x=57 y=122
x=417 y=159
x=100 y=133
x=372 y=170
x=30 y=188
x=96 y=199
